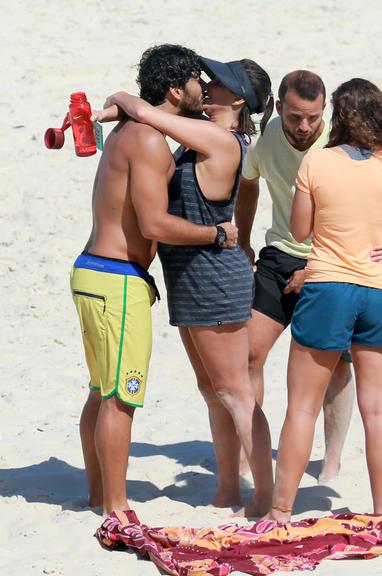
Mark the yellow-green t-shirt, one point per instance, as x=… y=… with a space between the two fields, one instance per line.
x=273 y=158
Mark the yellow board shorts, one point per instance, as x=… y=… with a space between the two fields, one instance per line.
x=115 y=316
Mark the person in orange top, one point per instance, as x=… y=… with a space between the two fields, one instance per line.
x=339 y=199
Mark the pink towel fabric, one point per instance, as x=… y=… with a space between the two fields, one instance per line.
x=262 y=547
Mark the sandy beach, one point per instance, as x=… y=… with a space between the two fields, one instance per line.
x=48 y=50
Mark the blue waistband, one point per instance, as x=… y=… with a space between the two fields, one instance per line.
x=114 y=266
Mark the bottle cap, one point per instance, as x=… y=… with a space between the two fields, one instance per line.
x=54 y=138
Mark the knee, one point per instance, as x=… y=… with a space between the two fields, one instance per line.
x=226 y=398
x=301 y=412
x=206 y=390
x=257 y=358
x=113 y=405
x=236 y=400
x=369 y=409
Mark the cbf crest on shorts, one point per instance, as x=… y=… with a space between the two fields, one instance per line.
x=134 y=382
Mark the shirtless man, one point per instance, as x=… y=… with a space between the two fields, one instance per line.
x=111 y=287
x=276 y=157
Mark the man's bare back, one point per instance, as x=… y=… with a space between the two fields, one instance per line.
x=116 y=232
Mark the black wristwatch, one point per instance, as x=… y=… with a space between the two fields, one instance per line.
x=221 y=237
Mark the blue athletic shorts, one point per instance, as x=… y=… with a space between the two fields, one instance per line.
x=335 y=315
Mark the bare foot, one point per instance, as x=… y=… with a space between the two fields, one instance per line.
x=122 y=506
x=226 y=499
x=328 y=472
x=279 y=515
x=260 y=504
x=256 y=508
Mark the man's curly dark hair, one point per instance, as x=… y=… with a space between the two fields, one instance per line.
x=163 y=67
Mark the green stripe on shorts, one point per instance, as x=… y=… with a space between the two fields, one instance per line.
x=122 y=332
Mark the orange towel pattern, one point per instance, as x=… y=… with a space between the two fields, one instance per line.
x=259 y=548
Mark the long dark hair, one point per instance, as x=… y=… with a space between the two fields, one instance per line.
x=262 y=85
x=357 y=115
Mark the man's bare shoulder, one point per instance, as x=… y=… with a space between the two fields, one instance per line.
x=143 y=136
x=133 y=145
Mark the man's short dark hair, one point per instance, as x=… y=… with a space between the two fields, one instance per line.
x=306 y=84
x=163 y=67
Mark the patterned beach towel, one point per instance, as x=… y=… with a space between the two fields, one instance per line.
x=262 y=547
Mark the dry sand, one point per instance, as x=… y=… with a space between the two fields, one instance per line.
x=48 y=50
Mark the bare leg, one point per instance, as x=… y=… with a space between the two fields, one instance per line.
x=309 y=373
x=225 y=439
x=338 y=407
x=88 y=423
x=113 y=437
x=368 y=372
x=224 y=353
x=263 y=333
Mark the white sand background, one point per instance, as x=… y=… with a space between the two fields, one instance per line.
x=48 y=50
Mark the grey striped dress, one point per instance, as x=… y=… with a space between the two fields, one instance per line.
x=206 y=285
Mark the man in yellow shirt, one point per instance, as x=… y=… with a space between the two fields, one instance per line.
x=276 y=156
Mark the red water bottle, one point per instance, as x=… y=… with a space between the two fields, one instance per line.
x=79 y=117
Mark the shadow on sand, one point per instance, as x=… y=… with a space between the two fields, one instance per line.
x=56 y=482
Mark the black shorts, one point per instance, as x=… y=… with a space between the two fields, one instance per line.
x=274 y=268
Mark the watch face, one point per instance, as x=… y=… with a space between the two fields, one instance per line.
x=221 y=236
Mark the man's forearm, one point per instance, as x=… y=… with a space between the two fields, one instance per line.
x=171 y=229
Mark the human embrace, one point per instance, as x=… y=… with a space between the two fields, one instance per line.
x=209 y=279
x=144 y=198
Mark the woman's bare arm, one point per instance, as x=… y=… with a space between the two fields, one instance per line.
x=109 y=114
x=301 y=222
x=204 y=137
